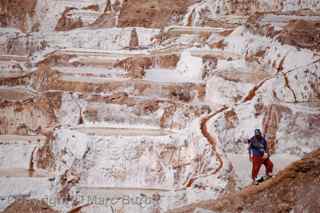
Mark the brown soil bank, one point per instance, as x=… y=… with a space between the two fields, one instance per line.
x=29 y=206
x=14 y=13
x=296 y=188
x=153 y=14
x=300 y=33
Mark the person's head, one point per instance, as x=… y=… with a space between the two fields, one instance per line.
x=257 y=133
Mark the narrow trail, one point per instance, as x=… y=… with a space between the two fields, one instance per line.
x=213 y=142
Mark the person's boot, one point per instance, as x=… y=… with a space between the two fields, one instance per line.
x=268 y=176
x=255 y=182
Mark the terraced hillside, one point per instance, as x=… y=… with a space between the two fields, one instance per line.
x=146 y=106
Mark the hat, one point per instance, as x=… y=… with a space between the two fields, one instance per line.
x=257 y=132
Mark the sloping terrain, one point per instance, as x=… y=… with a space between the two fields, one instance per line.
x=295 y=188
x=29 y=206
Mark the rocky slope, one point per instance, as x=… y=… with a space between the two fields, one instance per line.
x=146 y=106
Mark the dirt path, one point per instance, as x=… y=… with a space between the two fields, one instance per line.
x=213 y=142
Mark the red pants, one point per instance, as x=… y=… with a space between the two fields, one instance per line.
x=256 y=164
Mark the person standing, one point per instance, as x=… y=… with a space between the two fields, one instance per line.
x=134 y=39
x=258 y=155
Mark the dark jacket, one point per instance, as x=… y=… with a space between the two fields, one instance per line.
x=257 y=146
